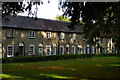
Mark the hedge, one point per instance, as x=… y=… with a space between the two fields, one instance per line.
x=53 y=57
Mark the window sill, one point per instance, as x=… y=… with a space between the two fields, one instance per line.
x=31 y=54
x=10 y=56
x=31 y=37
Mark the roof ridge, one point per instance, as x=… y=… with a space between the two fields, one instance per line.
x=43 y=19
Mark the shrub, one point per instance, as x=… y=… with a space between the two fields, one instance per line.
x=53 y=57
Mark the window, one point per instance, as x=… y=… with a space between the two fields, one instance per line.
x=48 y=35
x=61 y=50
x=62 y=36
x=10 y=51
x=73 y=49
x=32 y=34
x=10 y=33
x=74 y=36
x=31 y=49
x=48 y=50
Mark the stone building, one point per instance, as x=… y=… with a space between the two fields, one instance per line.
x=23 y=36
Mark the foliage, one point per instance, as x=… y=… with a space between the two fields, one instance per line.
x=13 y=8
x=62 y=18
x=101 y=19
x=52 y=58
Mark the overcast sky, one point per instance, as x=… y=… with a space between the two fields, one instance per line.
x=47 y=10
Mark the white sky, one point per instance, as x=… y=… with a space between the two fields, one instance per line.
x=47 y=10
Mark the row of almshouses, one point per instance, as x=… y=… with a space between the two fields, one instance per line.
x=23 y=36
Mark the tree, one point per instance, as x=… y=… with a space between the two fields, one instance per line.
x=13 y=8
x=62 y=18
x=101 y=19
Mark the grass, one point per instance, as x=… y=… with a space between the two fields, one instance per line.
x=96 y=68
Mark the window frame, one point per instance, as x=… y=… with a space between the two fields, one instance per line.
x=62 y=35
x=32 y=33
x=33 y=51
x=74 y=36
x=73 y=49
x=48 y=35
x=10 y=33
x=12 y=54
x=49 y=48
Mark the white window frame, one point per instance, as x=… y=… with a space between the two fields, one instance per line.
x=12 y=54
x=73 y=50
x=32 y=34
x=73 y=36
x=62 y=35
x=10 y=33
x=62 y=50
x=33 y=51
x=48 y=35
x=48 y=47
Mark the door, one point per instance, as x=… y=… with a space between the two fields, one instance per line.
x=21 y=50
x=67 y=48
x=101 y=49
x=61 y=50
x=40 y=51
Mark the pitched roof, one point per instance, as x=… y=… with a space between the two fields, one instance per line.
x=40 y=24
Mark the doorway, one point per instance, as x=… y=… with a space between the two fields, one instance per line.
x=40 y=51
x=21 y=49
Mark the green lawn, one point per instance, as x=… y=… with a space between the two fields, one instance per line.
x=97 y=68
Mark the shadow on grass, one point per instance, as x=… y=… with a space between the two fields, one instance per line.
x=50 y=77
x=42 y=77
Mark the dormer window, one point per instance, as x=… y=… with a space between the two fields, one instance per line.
x=62 y=36
x=10 y=33
x=32 y=34
x=74 y=36
x=48 y=35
